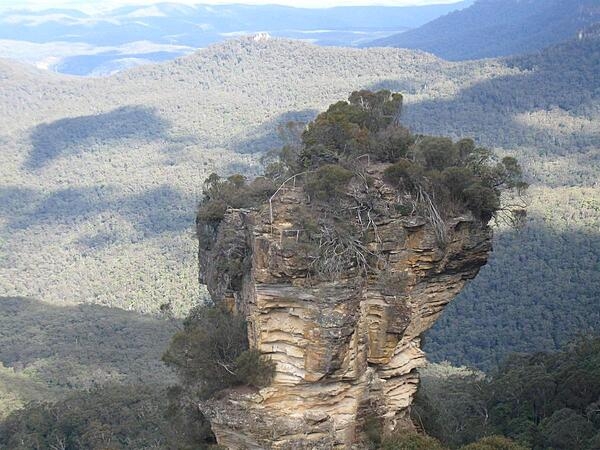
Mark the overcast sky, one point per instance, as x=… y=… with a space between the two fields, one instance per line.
x=92 y=5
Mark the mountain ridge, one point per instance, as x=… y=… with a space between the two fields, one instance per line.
x=82 y=44
x=492 y=28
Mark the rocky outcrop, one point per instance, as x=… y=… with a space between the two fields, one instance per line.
x=345 y=348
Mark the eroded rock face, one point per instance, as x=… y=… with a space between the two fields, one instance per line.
x=345 y=348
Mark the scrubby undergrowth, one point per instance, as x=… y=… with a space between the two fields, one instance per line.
x=334 y=159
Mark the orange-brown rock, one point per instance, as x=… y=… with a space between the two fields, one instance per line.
x=344 y=348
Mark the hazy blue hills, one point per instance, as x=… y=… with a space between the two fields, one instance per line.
x=491 y=28
x=72 y=42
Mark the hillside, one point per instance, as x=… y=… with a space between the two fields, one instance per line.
x=73 y=42
x=551 y=100
x=542 y=281
x=134 y=150
x=543 y=400
x=100 y=177
x=492 y=28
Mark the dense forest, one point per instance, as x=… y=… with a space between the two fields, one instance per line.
x=503 y=311
x=537 y=401
x=136 y=148
x=548 y=107
x=492 y=28
x=541 y=285
x=545 y=400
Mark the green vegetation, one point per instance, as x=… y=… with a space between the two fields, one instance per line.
x=458 y=174
x=410 y=441
x=494 y=443
x=356 y=127
x=455 y=175
x=328 y=182
x=115 y=417
x=74 y=346
x=211 y=353
x=17 y=389
x=542 y=107
x=78 y=374
x=331 y=161
x=491 y=28
x=368 y=126
x=220 y=194
x=541 y=400
x=232 y=192
x=413 y=441
x=539 y=289
x=119 y=236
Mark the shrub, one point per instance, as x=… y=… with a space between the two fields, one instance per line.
x=253 y=369
x=382 y=107
x=482 y=200
x=328 y=182
x=494 y=443
x=282 y=163
x=333 y=128
x=464 y=148
x=212 y=211
x=410 y=441
x=232 y=192
x=452 y=177
x=391 y=144
x=312 y=156
x=455 y=180
x=436 y=153
x=404 y=174
x=347 y=127
x=372 y=430
x=221 y=194
x=211 y=353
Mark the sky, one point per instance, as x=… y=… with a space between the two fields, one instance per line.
x=98 y=5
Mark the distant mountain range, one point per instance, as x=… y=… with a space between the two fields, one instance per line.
x=71 y=42
x=491 y=28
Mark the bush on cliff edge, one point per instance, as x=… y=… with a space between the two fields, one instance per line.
x=211 y=353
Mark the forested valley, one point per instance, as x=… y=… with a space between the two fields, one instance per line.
x=100 y=182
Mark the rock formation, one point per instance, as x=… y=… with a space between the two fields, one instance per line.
x=346 y=347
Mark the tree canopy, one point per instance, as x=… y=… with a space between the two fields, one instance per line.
x=541 y=400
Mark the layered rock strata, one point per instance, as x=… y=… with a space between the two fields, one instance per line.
x=345 y=348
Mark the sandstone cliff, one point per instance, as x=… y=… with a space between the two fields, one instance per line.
x=346 y=346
